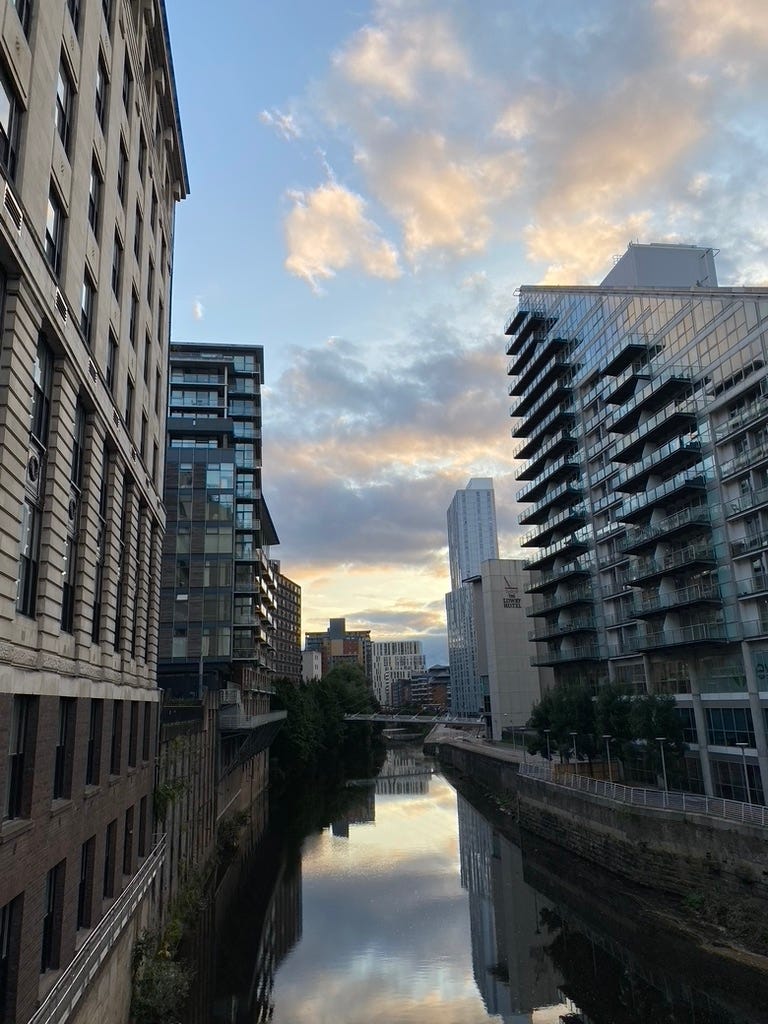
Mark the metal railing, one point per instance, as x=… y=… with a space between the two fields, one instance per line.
x=236 y=719
x=659 y=799
x=60 y=1003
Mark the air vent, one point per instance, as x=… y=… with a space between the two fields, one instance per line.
x=92 y=372
x=61 y=306
x=12 y=206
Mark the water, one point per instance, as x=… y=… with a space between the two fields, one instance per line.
x=409 y=907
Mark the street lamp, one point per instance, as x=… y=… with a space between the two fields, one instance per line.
x=607 y=739
x=661 y=741
x=575 y=755
x=744 y=765
x=549 y=754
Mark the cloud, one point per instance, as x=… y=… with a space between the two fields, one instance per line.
x=327 y=230
x=284 y=124
x=578 y=250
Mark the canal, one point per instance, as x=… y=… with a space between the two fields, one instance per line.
x=396 y=901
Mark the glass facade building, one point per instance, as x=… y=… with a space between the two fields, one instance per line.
x=641 y=406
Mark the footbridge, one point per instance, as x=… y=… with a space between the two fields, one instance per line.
x=393 y=718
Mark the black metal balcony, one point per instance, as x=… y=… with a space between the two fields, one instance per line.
x=584 y=652
x=532 y=412
x=527 y=323
x=748 y=545
x=660 y=390
x=689 y=482
x=563 y=441
x=693 y=558
x=553 y=631
x=687 y=597
x=624 y=386
x=569 y=493
x=537 y=378
x=679 y=453
x=630 y=349
x=686 y=521
x=656 y=429
x=564 y=415
x=566 y=547
x=572 y=517
x=571 y=598
x=693 y=635
x=561 y=469
x=550 y=580
x=526 y=361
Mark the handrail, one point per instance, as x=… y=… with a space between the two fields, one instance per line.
x=63 y=998
x=659 y=799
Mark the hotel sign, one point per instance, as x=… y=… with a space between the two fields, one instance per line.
x=511 y=596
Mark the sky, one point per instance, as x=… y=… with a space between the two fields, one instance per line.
x=369 y=185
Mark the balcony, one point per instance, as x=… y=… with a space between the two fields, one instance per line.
x=652 y=398
x=686 y=597
x=631 y=349
x=545 y=632
x=229 y=696
x=755 y=585
x=584 y=652
x=559 y=575
x=235 y=720
x=563 y=441
x=535 y=380
x=622 y=388
x=708 y=633
x=678 y=486
x=748 y=545
x=676 y=454
x=691 y=558
x=555 y=393
x=562 y=468
x=748 y=459
x=665 y=424
x=746 y=503
x=749 y=416
x=561 y=416
x=568 y=493
x=525 y=324
x=574 y=516
x=576 y=544
x=676 y=525
x=616 y=587
x=755 y=627
x=572 y=597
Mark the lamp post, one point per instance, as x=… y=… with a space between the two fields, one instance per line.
x=607 y=739
x=525 y=752
x=744 y=766
x=549 y=753
x=661 y=741
x=575 y=755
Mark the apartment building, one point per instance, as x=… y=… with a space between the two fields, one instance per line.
x=642 y=409
x=288 y=661
x=392 y=660
x=340 y=646
x=91 y=168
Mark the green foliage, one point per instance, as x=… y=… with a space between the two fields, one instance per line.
x=563 y=710
x=160 y=983
x=165 y=794
x=228 y=834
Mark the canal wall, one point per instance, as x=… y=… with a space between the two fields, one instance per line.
x=676 y=852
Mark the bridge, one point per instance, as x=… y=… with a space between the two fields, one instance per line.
x=458 y=721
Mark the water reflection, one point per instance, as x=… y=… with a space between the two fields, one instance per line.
x=411 y=908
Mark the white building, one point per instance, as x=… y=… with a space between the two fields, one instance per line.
x=311 y=666
x=471 y=541
x=391 y=660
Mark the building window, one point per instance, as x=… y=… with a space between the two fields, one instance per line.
x=52 y=914
x=155 y=462
x=133 y=321
x=138 y=224
x=147 y=359
x=150 y=281
x=122 y=172
x=10 y=935
x=85 y=885
x=728 y=726
x=87 y=304
x=101 y=547
x=95 y=185
x=179 y=644
x=158 y=390
x=127 y=82
x=73 y=7
x=101 y=93
x=64 y=104
x=142 y=154
x=133 y=734
x=146 y=735
x=110 y=841
x=106 y=8
x=116 y=740
x=129 y=404
x=93 y=752
x=69 y=575
x=20 y=753
x=62 y=760
x=160 y=322
x=117 y=265
x=153 y=211
x=128 y=842
x=110 y=374
x=143 y=437
x=142 y=827
x=24 y=11
x=29 y=559
x=10 y=119
x=54 y=232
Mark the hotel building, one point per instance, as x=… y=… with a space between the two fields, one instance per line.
x=642 y=411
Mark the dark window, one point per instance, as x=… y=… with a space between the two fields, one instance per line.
x=85 y=886
x=133 y=321
x=150 y=281
x=146 y=736
x=24 y=11
x=29 y=559
x=69 y=580
x=54 y=232
x=101 y=546
x=143 y=436
x=110 y=374
x=10 y=119
x=129 y=404
x=158 y=390
x=10 y=934
x=87 y=304
x=64 y=104
x=127 y=82
x=147 y=359
x=160 y=322
x=52 y=913
x=94 y=197
x=128 y=842
x=62 y=761
x=78 y=446
x=155 y=466
x=133 y=734
x=110 y=840
x=137 y=234
x=142 y=154
x=122 y=173
x=728 y=726
x=117 y=265
x=142 y=851
x=116 y=743
x=93 y=753
x=41 y=391
x=20 y=750
x=73 y=7
x=101 y=93
x=153 y=210
x=106 y=7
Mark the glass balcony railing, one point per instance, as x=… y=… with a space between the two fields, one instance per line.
x=694 y=633
x=679 y=451
x=566 y=494
x=697 y=593
x=744 y=460
x=558 y=575
x=544 y=632
x=564 y=439
x=658 y=392
x=572 y=596
x=563 y=414
x=541 y=406
x=696 y=516
x=753 y=585
x=566 y=464
x=576 y=544
x=690 y=557
x=669 y=421
x=748 y=545
x=750 y=414
x=582 y=652
x=569 y=517
x=746 y=502
x=688 y=480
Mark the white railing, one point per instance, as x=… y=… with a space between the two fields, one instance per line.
x=692 y=803
x=236 y=719
x=60 y=1003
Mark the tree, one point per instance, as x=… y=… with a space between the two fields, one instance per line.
x=564 y=709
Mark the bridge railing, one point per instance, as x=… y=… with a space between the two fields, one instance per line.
x=717 y=807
